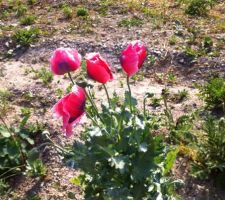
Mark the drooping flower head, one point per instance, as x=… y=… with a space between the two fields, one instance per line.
x=97 y=68
x=65 y=60
x=71 y=108
x=133 y=57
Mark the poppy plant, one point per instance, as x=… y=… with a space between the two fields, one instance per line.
x=97 y=68
x=133 y=57
x=71 y=108
x=65 y=60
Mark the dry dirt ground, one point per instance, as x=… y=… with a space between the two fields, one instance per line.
x=101 y=32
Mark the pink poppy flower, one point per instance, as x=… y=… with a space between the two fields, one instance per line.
x=65 y=60
x=97 y=68
x=71 y=108
x=133 y=57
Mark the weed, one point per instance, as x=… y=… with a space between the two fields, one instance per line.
x=198 y=7
x=44 y=74
x=67 y=12
x=180 y=129
x=171 y=78
x=180 y=96
x=15 y=143
x=3 y=186
x=82 y=12
x=138 y=77
x=220 y=26
x=155 y=102
x=211 y=151
x=192 y=53
x=134 y=21
x=25 y=111
x=5 y=14
x=26 y=37
x=59 y=93
x=173 y=40
x=213 y=93
x=35 y=166
x=21 y=10
x=27 y=20
x=104 y=6
x=207 y=44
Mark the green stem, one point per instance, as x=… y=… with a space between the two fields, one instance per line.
x=111 y=120
x=106 y=91
x=145 y=107
x=128 y=84
x=95 y=122
x=89 y=96
x=11 y=169
x=71 y=78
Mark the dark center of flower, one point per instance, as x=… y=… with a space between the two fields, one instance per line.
x=71 y=119
x=63 y=66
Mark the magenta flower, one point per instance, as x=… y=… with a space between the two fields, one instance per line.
x=65 y=60
x=71 y=109
x=97 y=68
x=133 y=57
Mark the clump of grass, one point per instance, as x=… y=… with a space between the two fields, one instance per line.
x=173 y=40
x=207 y=44
x=180 y=96
x=43 y=74
x=67 y=11
x=28 y=20
x=82 y=12
x=155 y=102
x=134 y=21
x=21 y=10
x=25 y=37
x=198 y=7
x=104 y=7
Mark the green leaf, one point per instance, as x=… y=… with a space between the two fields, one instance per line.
x=27 y=138
x=170 y=159
x=127 y=99
x=33 y=155
x=4 y=132
x=75 y=181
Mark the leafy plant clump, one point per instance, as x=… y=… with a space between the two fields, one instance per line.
x=67 y=12
x=198 y=7
x=123 y=159
x=211 y=151
x=43 y=74
x=213 y=93
x=26 y=37
x=15 y=146
x=27 y=20
x=82 y=12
